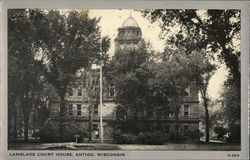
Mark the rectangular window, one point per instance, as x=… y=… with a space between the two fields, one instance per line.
x=96 y=110
x=79 y=93
x=186 y=129
x=70 y=92
x=167 y=129
x=96 y=131
x=79 y=110
x=186 y=110
x=179 y=129
x=111 y=91
x=188 y=91
x=149 y=114
x=70 y=110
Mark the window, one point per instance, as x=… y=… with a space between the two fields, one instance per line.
x=96 y=110
x=96 y=131
x=70 y=110
x=188 y=91
x=179 y=129
x=186 y=129
x=111 y=91
x=167 y=129
x=149 y=114
x=79 y=92
x=186 y=110
x=79 y=110
x=70 y=92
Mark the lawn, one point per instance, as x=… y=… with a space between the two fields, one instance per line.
x=97 y=146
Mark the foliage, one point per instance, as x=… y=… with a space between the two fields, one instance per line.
x=235 y=133
x=193 y=134
x=152 y=138
x=50 y=132
x=219 y=32
x=70 y=130
x=230 y=100
x=220 y=131
x=52 y=46
x=25 y=89
x=142 y=138
x=128 y=72
x=67 y=43
x=126 y=139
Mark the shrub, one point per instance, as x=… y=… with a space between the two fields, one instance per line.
x=70 y=130
x=234 y=133
x=36 y=134
x=220 y=131
x=152 y=138
x=127 y=139
x=49 y=131
x=193 y=134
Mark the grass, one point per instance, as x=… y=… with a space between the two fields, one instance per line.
x=129 y=147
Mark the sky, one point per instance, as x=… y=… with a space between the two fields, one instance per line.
x=111 y=20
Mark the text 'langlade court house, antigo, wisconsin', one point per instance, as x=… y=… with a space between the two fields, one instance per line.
x=129 y=38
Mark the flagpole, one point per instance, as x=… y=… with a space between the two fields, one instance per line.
x=101 y=125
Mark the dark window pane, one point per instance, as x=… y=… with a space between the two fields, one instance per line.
x=70 y=110
x=167 y=129
x=79 y=110
x=95 y=109
x=79 y=92
x=70 y=92
x=186 y=110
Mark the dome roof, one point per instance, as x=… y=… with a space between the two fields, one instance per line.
x=130 y=22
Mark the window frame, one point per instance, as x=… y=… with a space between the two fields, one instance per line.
x=70 y=110
x=94 y=112
x=71 y=94
x=79 y=111
x=188 y=111
x=185 y=129
x=79 y=91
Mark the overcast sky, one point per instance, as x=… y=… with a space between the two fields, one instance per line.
x=111 y=20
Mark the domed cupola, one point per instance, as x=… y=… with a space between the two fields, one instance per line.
x=129 y=22
x=129 y=35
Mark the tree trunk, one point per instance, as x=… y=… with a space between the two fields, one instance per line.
x=15 y=124
x=26 y=129
x=206 y=119
x=90 y=121
x=26 y=108
x=62 y=116
x=176 y=115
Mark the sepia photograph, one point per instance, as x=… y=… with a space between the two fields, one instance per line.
x=124 y=79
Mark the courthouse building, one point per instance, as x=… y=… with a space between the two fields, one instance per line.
x=129 y=38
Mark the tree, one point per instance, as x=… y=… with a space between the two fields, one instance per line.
x=219 y=31
x=220 y=131
x=230 y=100
x=23 y=71
x=202 y=71
x=172 y=76
x=128 y=72
x=67 y=44
x=93 y=90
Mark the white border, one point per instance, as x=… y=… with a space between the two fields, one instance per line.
x=139 y=4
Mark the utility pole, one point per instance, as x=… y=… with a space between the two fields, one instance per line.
x=101 y=125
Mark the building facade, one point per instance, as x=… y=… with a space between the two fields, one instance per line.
x=129 y=38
